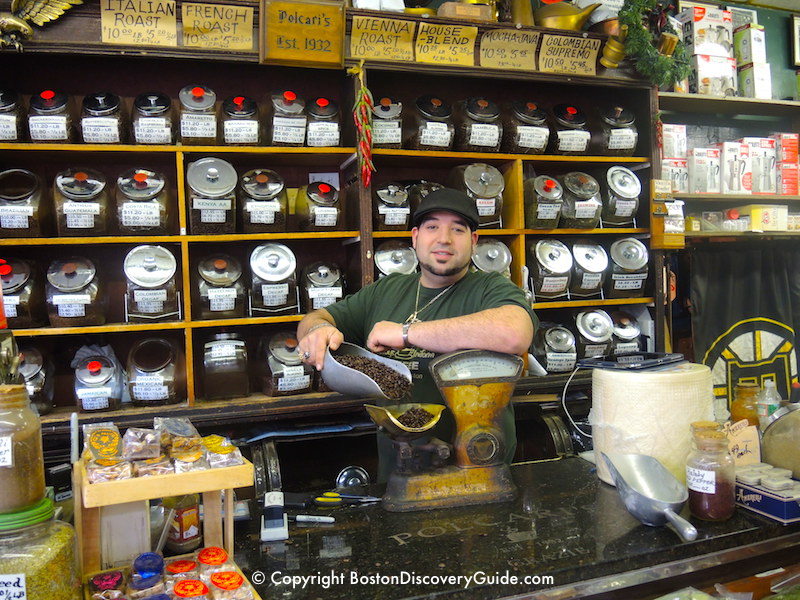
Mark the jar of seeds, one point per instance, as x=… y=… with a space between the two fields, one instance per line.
x=273 y=290
x=582 y=204
x=543 y=199
x=572 y=136
x=619 y=131
x=152 y=119
x=143 y=205
x=318 y=208
x=98 y=384
x=323 y=127
x=240 y=124
x=225 y=367
x=432 y=127
x=81 y=202
x=286 y=374
x=74 y=292
x=323 y=284
x=153 y=373
x=102 y=120
x=221 y=293
x=152 y=290
x=479 y=128
x=554 y=348
x=198 y=120
x=550 y=264
x=286 y=126
x=629 y=269
x=212 y=185
x=622 y=197
x=49 y=118
x=525 y=128
x=23 y=212
x=595 y=329
x=38 y=372
x=485 y=184
x=387 y=123
x=23 y=294
x=262 y=202
x=10 y=117
x=390 y=207
x=590 y=262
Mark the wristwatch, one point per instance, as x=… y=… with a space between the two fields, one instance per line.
x=406 y=327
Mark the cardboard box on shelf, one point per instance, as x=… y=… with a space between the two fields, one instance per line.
x=713 y=75
x=735 y=167
x=782 y=507
x=750 y=45
x=676 y=170
x=707 y=31
x=786 y=147
x=763 y=174
x=673 y=139
x=755 y=81
x=704 y=170
x=788 y=183
x=766 y=217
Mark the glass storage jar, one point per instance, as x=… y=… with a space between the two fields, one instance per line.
x=198 y=120
x=590 y=262
x=628 y=269
x=390 y=208
x=153 y=119
x=75 y=295
x=286 y=374
x=417 y=190
x=225 y=367
x=322 y=285
x=262 y=202
x=23 y=213
x=387 y=123
x=286 y=126
x=212 y=189
x=274 y=285
x=10 y=116
x=627 y=333
x=543 y=198
x=98 y=384
x=492 y=256
x=240 y=123
x=21 y=459
x=102 y=120
x=478 y=127
x=485 y=184
x=711 y=477
x=554 y=347
x=595 y=330
x=572 y=137
x=154 y=373
x=152 y=291
x=323 y=127
x=185 y=535
x=395 y=256
x=221 y=293
x=550 y=264
x=582 y=205
x=143 y=204
x=619 y=131
x=622 y=197
x=318 y=208
x=38 y=373
x=49 y=118
x=23 y=294
x=745 y=402
x=432 y=127
x=81 y=202
x=525 y=128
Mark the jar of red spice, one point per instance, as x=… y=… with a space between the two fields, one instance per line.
x=710 y=477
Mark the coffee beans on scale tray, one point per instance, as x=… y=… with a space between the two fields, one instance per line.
x=415 y=417
x=392 y=383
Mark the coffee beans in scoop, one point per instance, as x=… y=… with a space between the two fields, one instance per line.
x=392 y=383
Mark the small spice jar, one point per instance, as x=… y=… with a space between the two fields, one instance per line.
x=240 y=124
x=387 y=123
x=628 y=269
x=191 y=588
x=225 y=367
x=550 y=264
x=554 y=348
x=110 y=582
x=590 y=262
x=582 y=205
x=273 y=290
x=212 y=185
x=492 y=256
x=198 y=118
x=595 y=330
x=287 y=124
x=49 y=118
x=627 y=333
x=10 y=117
x=711 y=477
x=318 y=207
x=38 y=373
x=102 y=120
x=485 y=184
x=23 y=213
x=212 y=559
x=262 y=202
x=74 y=293
x=418 y=190
x=322 y=285
x=622 y=197
x=543 y=199
x=143 y=205
x=152 y=293
x=98 y=384
x=221 y=293
x=153 y=377
x=745 y=403
x=390 y=207
x=395 y=256
x=525 y=128
x=479 y=128
x=23 y=294
x=81 y=202
x=286 y=374
x=432 y=127
x=152 y=119
x=323 y=127
x=572 y=137
x=230 y=585
x=619 y=131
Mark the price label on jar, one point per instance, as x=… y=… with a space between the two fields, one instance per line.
x=262 y=211
x=6 y=451
x=322 y=297
x=484 y=134
x=149 y=296
x=152 y=23
x=626 y=347
x=559 y=362
x=446 y=44
x=289 y=130
x=545 y=210
x=625 y=208
x=308 y=32
x=323 y=134
x=591 y=350
x=227 y=350
x=486 y=206
x=94 y=398
x=71 y=310
x=240 y=132
x=221 y=299
x=590 y=281
x=509 y=49
x=140 y=214
x=435 y=134
x=700 y=480
x=148 y=391
x=152 y=130
x=572 y=55
x=15 y=217
x=8 y=127
x=382 y=39
x=46 y=128
x=622 y=139
x=553 y=285
x=394 y=215
x=217 y=26
x=199 y=126
x=275 y=294
x=531 y=136
x=573 y=141
x=628 y=281
x=386 y=132
x=325 y=216
x=10 y=304
x=585 y=209
x=291 y=384
x=100 y=130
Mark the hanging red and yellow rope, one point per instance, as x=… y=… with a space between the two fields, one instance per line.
x=362 y=117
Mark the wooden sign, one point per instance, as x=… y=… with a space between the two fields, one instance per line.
x=302 y=32
x=138 y=23
x=570 y=55
x=446 y=44
x=217 y=26
x=372 y=38
x=509 y=49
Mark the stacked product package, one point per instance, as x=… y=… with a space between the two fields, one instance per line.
x=708 y=38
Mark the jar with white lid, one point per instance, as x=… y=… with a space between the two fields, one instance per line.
x=212 y=192
x=387 y=123
x=395 y=256
x=619 y=130
x=582 y=205
x=543 y=199
x=572 y=136
x=478 y=127
x=154 y=373
x=23 y=211
x=198 y=120
x=273 y=290
x=225 y=367
x=554 y=348
x=432 y=127
x=492 y=256
x=153 y=119
x=38 y=372
x=525 y=128
x=595 y=330
x=98 y=384
x=322 y=285
x=590 y=263
x=318 y=207
x=49 y=118
x=286 y=125
x=391 y=210
x=143 y=203
x=81 y=202
x=102 y=119
x=23 y=294
x=10 y=116
x=263 y=202
x=323 y=127
x=221 y=293
x=629 y=268
x=550 y=264
x=286 y=373
x=622 y=197
x=627 y=333
x=75 y=295
x=152 y=292
x=240 y=122
x=485 y=185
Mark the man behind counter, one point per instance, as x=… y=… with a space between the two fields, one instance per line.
x=415 y=317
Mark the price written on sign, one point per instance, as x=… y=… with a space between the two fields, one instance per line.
x=382 y=39
x=509 y=49
x=446 y=44
x=139 y=22
x=303 y=32
x=217 y=26
x=569 y=55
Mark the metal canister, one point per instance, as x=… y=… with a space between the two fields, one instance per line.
x=198 y=121
x=81 y=201
x=152 y=119
x=387 y=123
x=543 y=199
x=628 y=269
x=595 y=329
x=525 y=130
x=23 y=294
x=550 y=264
x=492 y=256
x=572 y=137
x=285 y=372
x=143 y=205
x=318 y=207
x=274 y=281
x=627 y=333
x=588 y=270
x=262 y=201
x=323 y=127
x=154 y=375
x=391 y=210
x=22 y=212
x=74 y=293
x=98 y=384
x=38 y=372
x=287 y=124
x=225 y=367
x=323 y=284
x=485 y=184
x=622 y=196
x=212 y=183
x=619 y=132
x=240 y=125
x=582 y=205
x=10 y=116
x=152 y=290
x=221 y=294
x=49 y=118
x=395 y=256
x=554 y=348
x=479 y=128
x=102 y=120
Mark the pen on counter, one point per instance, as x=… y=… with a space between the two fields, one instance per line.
x=311 y=519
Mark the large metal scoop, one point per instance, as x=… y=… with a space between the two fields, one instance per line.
x=650 y=492
x=349 y=381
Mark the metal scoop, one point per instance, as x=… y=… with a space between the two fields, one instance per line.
x=650 y=492
x=346 y=380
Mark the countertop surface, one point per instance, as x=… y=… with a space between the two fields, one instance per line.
x=566 y=535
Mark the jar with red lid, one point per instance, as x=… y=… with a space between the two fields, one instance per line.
x=212 y=559
x=432 y=127
x=102 y=120
x=74 y=293
x=230 y=585
x=387 y=123
x=286 y=123
x=319 y=208
x=198 y=121
x=543 y=199
x=323 y=127
x=23 y=211
x=478 y=127
x=98 y=384
x=221 y=293
x=23 y=294
x=240 y=122
x=10 y=116
x=143 y=205
x=284 y=372
x=191 y=588
x=525 y=128
x=50 y=118
x=81 y=201
x=711 y=477
x=152 y=119
x=572 y=135
x=263 y=200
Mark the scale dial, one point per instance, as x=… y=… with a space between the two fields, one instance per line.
x=470 y=367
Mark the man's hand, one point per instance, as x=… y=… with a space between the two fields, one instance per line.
x=385 y=335
x=317 y=338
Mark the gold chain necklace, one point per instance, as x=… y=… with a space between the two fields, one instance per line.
x=412 y=318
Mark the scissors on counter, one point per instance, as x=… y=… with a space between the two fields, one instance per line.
x=337 y=499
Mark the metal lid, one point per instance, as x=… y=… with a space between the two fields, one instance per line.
x=433 y=107
x=31 y=363
x=569 y=115
x=595 y=325
x=18 y=184
x=14 y=274
x=262 y=184
x=49 y=101
x=197 y=97
x=151 y=354
x=528 y=111
x=80 y=184
x=590 y=257
x=482 y=109
x=548 y=188
x=617 y=116
x=221 y=270
x=140 y=184
x=95 y=370
x=581 y=184
x=152 y=104
x=211 y=177
x=387 y=108
x=8 y=100
x=149 y=266
x=625 y=325
x=322 y=108
x=322 y=193
x=559 y=339
x=71 y=274
x=287 y=103
x=240 y=106
x=629 y=253
x=283 y=346
x=623 y=182
x=395 y=256
x=491 y=255
x=322 y=274
x=392 y=194
x=273 y=262
x=101 y=103
x=483 y=181
x=553 y=255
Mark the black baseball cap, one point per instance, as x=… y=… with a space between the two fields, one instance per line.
x=449 y=200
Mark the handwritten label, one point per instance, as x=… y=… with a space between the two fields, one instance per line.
x=382 y=39
x=567 y=54
x=139 y=22
x=509 y=49
x=6 y=451
x=743 y=442
x=217 y=26
x=13 y=586
x=307 y=32
x=446 y=44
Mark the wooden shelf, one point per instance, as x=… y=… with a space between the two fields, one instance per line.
x=697 y=103
x=606 y=231
x=132 y=148
x=591 y=302
x=109 y=328
x=738 y=198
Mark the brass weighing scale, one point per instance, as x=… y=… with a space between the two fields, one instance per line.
x=477 y=386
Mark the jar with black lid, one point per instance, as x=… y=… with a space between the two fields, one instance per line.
x=582 y=205
x=628 y=269
x=225 y=367
x=285 y=372
x=262 y=202
x=38 y=373
x=619 y=131
x=590 y=263
x=102 y=120
x=550 y=264
x=387 y=123
x=391 y=210
x=323 y=127
x=273 y=289
x=432 y=127
x=74 y=293
x=595 y=329
x=492 y=256
x=152 y=119
x=554 y=347
x=98 y=384
x=319 y=208
x=525 y=128
x=81 y=201
x=622 y=197
x=572 y=136
x=212 y=184
x=23 y=211
x=286 y=126
x=395 y=256
x=322 y=285
x=627 y=333
x=484 y=184
x=221 y=293
x=23 y=294
x=198 y=121
x=240 y=123
x=479 y=128
x=152 y=291
x=10 y=116
x=154 y=373
x=143 y=205
x=49 y=118
x=543 y=199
